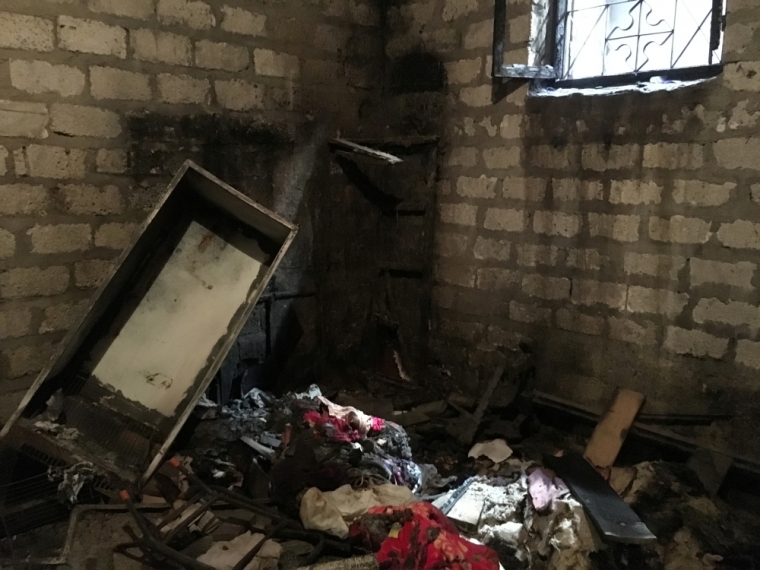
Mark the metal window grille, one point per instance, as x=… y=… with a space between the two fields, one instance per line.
x=628 y=40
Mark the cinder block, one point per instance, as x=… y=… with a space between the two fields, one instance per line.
x=33 y=282
x=578 y=322
x=461 y=214
x=60 y=238
x=3 y=160
x=217 y=55
x=591 y=292
x=505 y=220
x=585 y=259
x=482 y=187
x=62 y=317
x=533 y=255
x=91 y=36
x=511 y=127
x=115 y=235
x=741 y=234
x=161 y=47
x=531 y=189
x=698 y=193
x=628 y=331
x=18 y=31
x=54 y=162
x=23 y=199
x=486 y=248
x=191 y=13
x=183 y=89
x=454 y=274
x=531 y=314
x=364 y=12
x=7 y=244
x=497 y=336
x=732 y=313
x=239 y=21
x=748 y=353
x=661 y=266
x=463 y=156
x=735 y=154
x=574 y=190
x=272 y=64
x=742 y=76
x=476 y=96
x=41 y=77
x=331 y=38
x=112 y=83
x=635 y=192
x=465 y=331
x=138 y=9
x=557 y=224
x=501 y=158
x=619 y=228
x=91 y=273
x=550 y=288
x=451 y=245
x=81 y=121
x=600 y=157
x=674 y=156
x=453 y=9
x=738 y=274
x=656 y=301
x=695 y=343
x=463 y=71
x=238 y=95
x=85 y=199
x=496 y=279
x=26 y=360
x=679 y=229
x=15 y=323
x=111 y=161
x=548 y=156
x=26 y=120
x=479 y=35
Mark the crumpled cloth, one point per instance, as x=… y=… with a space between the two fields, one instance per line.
x=545 y=489
x=357 y=419
x=332 y=511
x=427 y=540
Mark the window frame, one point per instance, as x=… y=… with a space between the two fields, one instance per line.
x=548 y=74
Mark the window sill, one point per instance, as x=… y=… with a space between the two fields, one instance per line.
x=641 y=87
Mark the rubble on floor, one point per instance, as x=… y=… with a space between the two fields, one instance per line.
x=268 y=483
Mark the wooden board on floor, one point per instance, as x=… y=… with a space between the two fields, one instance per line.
x=612 y=429
x=612 y=517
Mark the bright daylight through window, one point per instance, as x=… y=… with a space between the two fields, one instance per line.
x=636 y=40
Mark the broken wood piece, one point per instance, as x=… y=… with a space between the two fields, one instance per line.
x=258 y=448
x=612 y=429
x=464 y=427
x=419 y=414
x=612 y=517
x=366 y=151
x=468 y=509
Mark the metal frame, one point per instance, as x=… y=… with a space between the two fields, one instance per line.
x=550 y=74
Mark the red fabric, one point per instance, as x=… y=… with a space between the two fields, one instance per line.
x=334 y=428
x=427 y=541
x=377 y=423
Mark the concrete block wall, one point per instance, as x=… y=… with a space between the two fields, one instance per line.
x=617 y=233
x=83 y=84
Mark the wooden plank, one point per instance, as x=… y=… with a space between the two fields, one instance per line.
x=366 y=151
x=612 y=429
x=647 y=432
x=612 y=517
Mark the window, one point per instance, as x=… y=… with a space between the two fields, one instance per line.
x=611 y=42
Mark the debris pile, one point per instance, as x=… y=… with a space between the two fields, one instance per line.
x=268 y=483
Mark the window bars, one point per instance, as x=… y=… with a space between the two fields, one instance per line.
x=605 y=42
